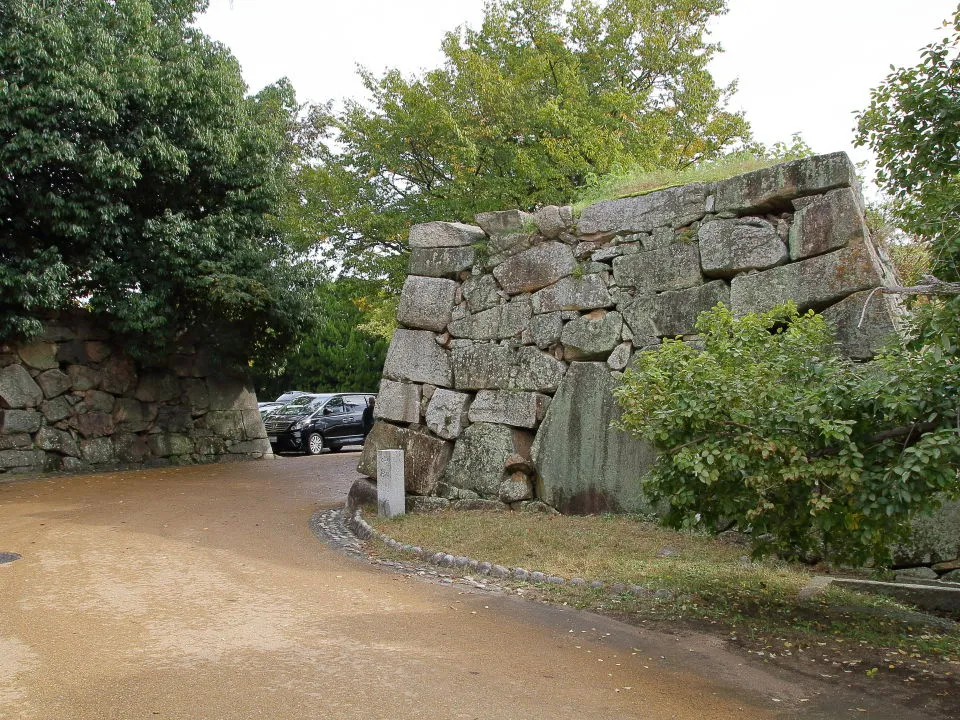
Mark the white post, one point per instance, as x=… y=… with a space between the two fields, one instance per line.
x=390 y=486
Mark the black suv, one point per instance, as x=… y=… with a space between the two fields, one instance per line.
x=311 y=422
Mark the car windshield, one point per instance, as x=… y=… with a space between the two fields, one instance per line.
x=302 y=405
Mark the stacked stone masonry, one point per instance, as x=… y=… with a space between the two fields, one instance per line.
x=72 y=400
x=513 y=332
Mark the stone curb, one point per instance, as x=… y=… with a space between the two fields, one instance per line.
x=363 y=531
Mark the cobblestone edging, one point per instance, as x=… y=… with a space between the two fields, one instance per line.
x=360 y=529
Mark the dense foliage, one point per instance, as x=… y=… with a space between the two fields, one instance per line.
x=544 y=95
x=140 y=181
x=913 y=127
x=338 y=354
x=769 y=428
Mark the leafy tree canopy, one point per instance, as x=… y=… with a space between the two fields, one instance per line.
x=139 y=180
x=337 y=354
x=544 y=95
x=913 y=127
x=767 y=427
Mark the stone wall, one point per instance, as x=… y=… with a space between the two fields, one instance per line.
x=513 y=332
x=73 y=400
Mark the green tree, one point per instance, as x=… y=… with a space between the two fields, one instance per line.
x=913 y=127
x=337 y=354
x=523 y=111
x=140 y=181
x=767 y=427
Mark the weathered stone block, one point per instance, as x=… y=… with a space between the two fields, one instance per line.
x=584 y=463
x=252 y=425
x=535 y=268
x=157 y=386
x=675 y=313
x=53 y=383
x=130 y=448
x=119 y=375
x=480 y=292
x=425 y=458
x=620 y=357
x=587 y=292
x=426 y=303
x=479 y=457
x=545 y=329
x=196 y=393
x=638 y=315
x=97 y=451
x=167 y=444
x=96 y=401
x=515 y=488
x=830 y=222
x=83 y=377
x=774 y=187
x=441 y=262
x=15 y=442
x=549 y=221
x=93 y=424
x=19 y=421
x=415 y=356
x=17 y=388
x=39 y=355
x=130 y=415
x=257 y=447
x=673 y=207
x=22 y=459
x=481 y=366
x=49 y=438
x=399 y=402
x=879 y=324
x=484 y=325
x=729 y=247
x=536 y=371
x=671 y=268
x=444 y=234
x=225 y=423
x=96 y=351
x=591 y=336
x=813 y=283
x=230 y=393
x=446 y=414
x=56 y=409
x=509 y=407
x=175 y=418
x=503 y=222
x=514 y=317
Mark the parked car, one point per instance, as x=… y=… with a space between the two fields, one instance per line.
x=266 y=407
x=290 y=395
x=311 y=422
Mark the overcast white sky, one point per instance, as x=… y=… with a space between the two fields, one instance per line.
x=803 y=66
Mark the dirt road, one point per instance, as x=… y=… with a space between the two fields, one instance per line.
x=200 y=593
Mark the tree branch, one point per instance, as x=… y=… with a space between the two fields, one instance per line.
x=930 y=286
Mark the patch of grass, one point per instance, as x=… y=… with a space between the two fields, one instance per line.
x=628 y=182
x=713 y=586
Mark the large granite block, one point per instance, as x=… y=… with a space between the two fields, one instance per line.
x=830 y=222
x=415 y=356
x=535 y=268
x=676 y=313
x=587 y=292
x=879 y=323
x=480 y=457
x=444 y=235
x=17 y=388
x=482 y=366
x=425 y=456
x=673 y=207
x=729 y=247
x=584 y=464
x=774 y=187
x=592 y=336
x=399 y=402
x=814 y=283
x=426 y=303
x=509 y=407
x=446 y=413
x=671 y=268
x=441 y=262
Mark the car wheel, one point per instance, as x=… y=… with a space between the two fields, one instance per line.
x=313 y=444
